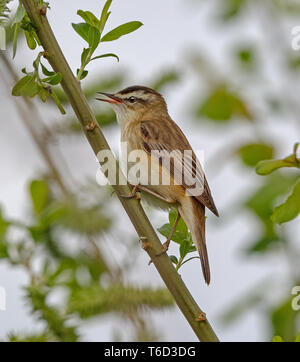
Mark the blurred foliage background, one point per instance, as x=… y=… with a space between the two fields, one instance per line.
x=250 y=91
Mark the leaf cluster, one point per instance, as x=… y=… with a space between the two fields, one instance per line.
x=91 y=30
x=181 y=236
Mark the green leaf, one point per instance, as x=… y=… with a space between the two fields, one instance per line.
x=231 y=9
x=83 y=75
x=297 y=338
x=264 y=199
x=3 y=251
x=30 y=40
x=57 y=102
x=26 y=86
x=82 y=29
x=290 y=209
x=84 y=55
x=181 y=226
x=89 y=33
x=104 y=15
x=93 y=37
x=284 y=321
x=165 y=230
x=268 y=166
x=173 y=259
x=20 y=13
x=166 y=78
x=46 y=71
x=89 y=18
x=3 y=224
x=184 y=248
x=39 y=195
x=221 y=105
x=277 y=339
x=264 y=243
x=15 y=38
x=53 y=79
x=106 y=55
x=245 y=55
x=251 y=154
x=121 y=30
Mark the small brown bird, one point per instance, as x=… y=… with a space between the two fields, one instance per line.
x=146 y=125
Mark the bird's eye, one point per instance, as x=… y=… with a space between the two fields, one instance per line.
x=131 y=99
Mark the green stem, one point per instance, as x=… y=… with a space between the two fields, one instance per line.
x=94 y=135
x=178 y=265
x=183 y=262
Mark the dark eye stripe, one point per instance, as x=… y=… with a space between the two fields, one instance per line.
x=135 y=99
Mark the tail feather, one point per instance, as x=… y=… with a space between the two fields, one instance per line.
x=193 y=214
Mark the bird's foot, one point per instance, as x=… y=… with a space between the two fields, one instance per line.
x=165 y=248
x=134 y=194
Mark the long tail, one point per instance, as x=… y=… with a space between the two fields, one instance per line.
x=193 y=213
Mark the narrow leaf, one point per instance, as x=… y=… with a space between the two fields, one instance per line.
x=30 y=40
x=57 y=102
x=15 y=38
x=165 y=230
x=104 y=15
x=83 y=75
x=93 y=37
x=290 y=209
x=173 y=259
x=46 y=71
x=89 y=18
x=20 y=13
x=122 y=30
x=39 y=195
x=53 y=79
x=267 y=166
x=106 y=55
x=84 y=55
x=184 y=248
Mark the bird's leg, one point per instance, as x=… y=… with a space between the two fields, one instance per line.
x=134 y=193
x=151 y=192
x=167 y=243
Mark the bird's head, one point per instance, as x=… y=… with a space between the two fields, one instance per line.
x=134 y=102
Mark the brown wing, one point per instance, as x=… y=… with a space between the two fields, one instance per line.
x=173 y=139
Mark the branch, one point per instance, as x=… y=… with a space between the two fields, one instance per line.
x=195 y=317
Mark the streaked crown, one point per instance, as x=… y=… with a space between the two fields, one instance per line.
x=140 y=94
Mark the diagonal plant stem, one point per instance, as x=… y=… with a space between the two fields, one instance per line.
x=195 y=317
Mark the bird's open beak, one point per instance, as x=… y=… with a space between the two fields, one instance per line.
x=112 y=98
